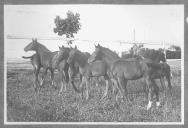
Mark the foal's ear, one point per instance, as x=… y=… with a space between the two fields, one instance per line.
x=96 y=46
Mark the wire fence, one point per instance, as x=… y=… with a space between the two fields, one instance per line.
x=162 y=45
x=86 y=40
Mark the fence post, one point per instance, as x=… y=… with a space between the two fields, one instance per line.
x=164 y=48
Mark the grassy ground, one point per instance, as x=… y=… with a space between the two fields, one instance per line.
x=24 y=105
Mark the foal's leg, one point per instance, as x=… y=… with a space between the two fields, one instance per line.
x=146 y=89
x=149 y=83
x=156 y=91
x=52 y=78
x=37 y=70
x=62 y=82
x=64 y=85
x=163 y=86
x=107 y=86
x=87 y=87
x=66 y=79
x=72 y=74
x=43 y=76
x=116 y=90
x=162 y=83
x=114 y=85
x=169 y=83
x=123 y=86
x=97 y=81
x=83 y=81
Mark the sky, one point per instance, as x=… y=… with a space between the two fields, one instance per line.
x=104 y=24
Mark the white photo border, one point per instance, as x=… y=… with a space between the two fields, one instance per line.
x=96 y=123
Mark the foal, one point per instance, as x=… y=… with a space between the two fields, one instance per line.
x=44 y=57
x=123 y=70
x=87 y=70
x=66 y=70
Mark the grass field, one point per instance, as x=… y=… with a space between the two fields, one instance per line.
x=24 y=105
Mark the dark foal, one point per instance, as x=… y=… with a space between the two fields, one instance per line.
x=67 y=71
x=162 y=73
x=87 y=70
x=45 y=57
x=123 y=70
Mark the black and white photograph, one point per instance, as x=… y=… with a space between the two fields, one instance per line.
x=94 y=64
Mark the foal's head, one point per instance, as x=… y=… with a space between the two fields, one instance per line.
x=31 y=46
x=61 y=55
x=161 y=57
x=73 y=55
x=96 y=55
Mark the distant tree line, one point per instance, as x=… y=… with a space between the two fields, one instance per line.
x=173 y=52
x=71 y=25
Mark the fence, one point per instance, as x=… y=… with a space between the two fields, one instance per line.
x=120 y=42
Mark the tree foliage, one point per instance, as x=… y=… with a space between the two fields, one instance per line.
x=145 y=52
x=151 y=53
x=174 y=52
x=136 y=48
x=174 y=48
x=68 y=26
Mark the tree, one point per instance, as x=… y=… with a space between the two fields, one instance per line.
x=175 y=48
x=135 y=49
x=173 y=52
x=68 y=26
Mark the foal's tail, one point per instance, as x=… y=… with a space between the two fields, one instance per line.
x=28 y=57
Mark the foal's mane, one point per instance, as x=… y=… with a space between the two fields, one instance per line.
x=82 y=54
x=82 y=59
x=42 y=48
x=109 y=52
